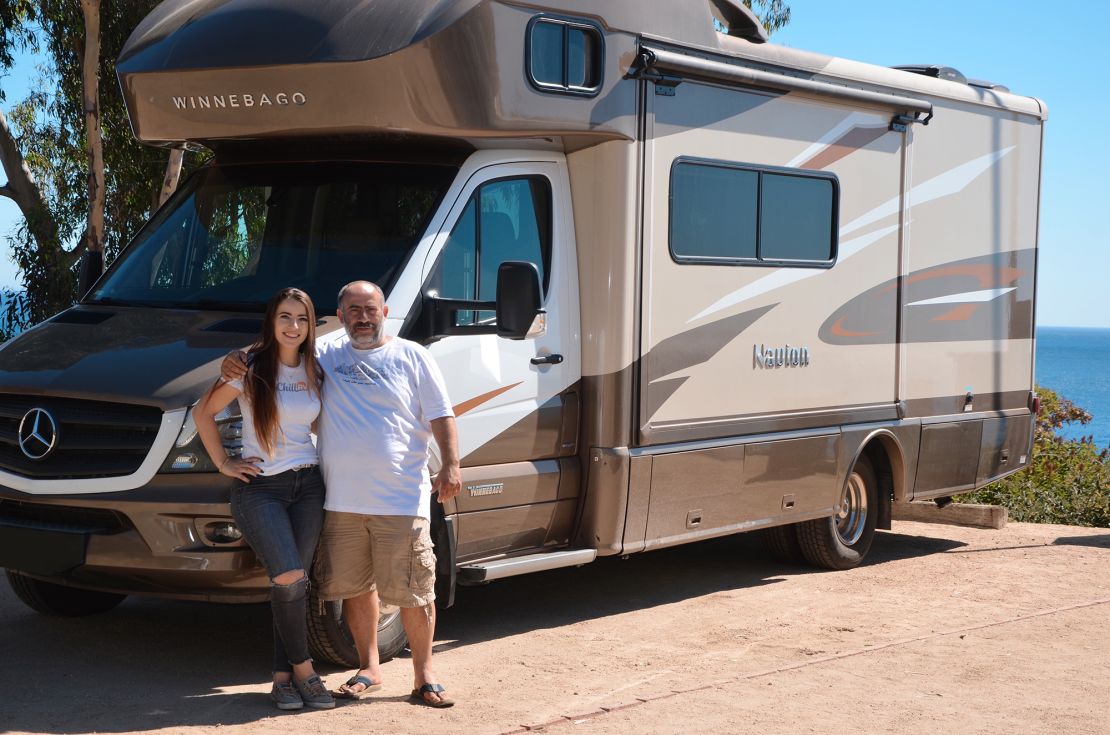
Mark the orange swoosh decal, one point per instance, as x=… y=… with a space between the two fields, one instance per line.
x=839 y=330
x=961 y=313
x=987 y=275
x=471 y=404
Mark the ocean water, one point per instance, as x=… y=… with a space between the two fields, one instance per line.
x=1075 y=362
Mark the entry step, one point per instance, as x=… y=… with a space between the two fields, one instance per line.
x=487 y=571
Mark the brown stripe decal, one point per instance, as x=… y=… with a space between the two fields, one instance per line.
x=853 y=140
x=937 y=306
x=476 y=401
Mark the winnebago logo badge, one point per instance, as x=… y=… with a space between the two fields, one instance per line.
x=778 y=357
x=241 y=99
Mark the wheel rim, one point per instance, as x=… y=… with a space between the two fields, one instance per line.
x=851 y=516
x=387 y=615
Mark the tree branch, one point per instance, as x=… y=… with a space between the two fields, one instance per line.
x=25 y=192
x=173 y=173
x=69 y=258
x=6 y=191
x=90 y=73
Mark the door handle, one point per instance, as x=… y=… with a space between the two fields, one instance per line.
x=547 y=360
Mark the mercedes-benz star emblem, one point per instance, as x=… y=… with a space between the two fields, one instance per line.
x=38 y=433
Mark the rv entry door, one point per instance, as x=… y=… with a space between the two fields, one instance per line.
x=516 y=401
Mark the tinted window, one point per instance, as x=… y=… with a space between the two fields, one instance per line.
x=234 y=235
x=734 y=213
x=564 y=56
x=583 y=56
x=547 y=53
x=504 y=220
x=713 y=212
x=456 y=277
x=784 y=235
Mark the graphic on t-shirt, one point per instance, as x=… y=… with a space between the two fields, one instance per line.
x=359 y=373
x=299 y=386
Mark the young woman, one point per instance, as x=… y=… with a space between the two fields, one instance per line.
x=278 y=499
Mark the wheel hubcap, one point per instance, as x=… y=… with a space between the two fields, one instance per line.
x=386 y=616
x=852 y=514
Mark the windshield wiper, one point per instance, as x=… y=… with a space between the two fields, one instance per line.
x=217 y=305
x=109 y=301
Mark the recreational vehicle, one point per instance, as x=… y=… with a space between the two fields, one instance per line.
x=682 y=283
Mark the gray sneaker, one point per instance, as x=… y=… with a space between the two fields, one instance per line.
x=314 y=693
x=285 y=695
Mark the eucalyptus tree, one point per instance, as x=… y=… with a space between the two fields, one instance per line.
x=81 y=181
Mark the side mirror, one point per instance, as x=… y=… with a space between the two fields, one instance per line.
x=519 y=298
x=92 y=267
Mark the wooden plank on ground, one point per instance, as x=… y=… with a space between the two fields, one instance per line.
x=955 y=514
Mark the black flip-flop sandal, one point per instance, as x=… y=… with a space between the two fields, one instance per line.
x=437 y=690
x=369 y=686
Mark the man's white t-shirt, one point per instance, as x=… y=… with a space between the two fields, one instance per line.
x=297 y=408
x=375 y=427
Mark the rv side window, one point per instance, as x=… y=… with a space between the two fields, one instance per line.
x=783 y=234
x=564 y=56
x=508 y=219
x=726 y=213
x=713 y=212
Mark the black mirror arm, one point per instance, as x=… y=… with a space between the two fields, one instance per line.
x=441 y=317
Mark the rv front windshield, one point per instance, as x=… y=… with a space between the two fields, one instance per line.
x=233 y=235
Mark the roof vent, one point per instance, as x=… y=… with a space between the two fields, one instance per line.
x=935 y=70
x=732 y=18
x=983 y=84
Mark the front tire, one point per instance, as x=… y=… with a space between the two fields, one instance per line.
x=329 y=639
x=58 y=600
x=843 y=540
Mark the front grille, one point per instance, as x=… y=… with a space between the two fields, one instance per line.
x=94 y=438
x=91 y=520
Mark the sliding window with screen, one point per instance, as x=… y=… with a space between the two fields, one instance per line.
x=738 y=214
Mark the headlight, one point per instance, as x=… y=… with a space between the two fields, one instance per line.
x=188 y=453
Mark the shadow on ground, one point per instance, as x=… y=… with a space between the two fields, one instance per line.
x=1098 y=541
x=154 y=664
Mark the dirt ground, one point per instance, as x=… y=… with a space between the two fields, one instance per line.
x=945 y=630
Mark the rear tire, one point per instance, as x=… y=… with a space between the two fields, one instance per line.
x=329 y=639
x=782 y=542
x=843 y=540
x=58 y=600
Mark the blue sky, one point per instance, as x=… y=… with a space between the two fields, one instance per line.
x=1014 y=43
x=1034 y=49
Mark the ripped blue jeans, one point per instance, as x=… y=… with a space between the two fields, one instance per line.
x=281 y=517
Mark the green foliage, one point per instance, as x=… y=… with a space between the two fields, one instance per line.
x=50 y=127
x=15 y=32
x=773 y=14
x=1067 y=481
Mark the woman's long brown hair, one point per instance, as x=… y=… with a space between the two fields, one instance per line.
x=260 y=386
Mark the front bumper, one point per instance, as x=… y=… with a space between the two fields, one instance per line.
x=147 y=541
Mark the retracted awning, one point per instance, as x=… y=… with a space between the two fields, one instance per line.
x=669 y=68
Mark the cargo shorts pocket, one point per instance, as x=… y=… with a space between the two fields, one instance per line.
x=422 y=574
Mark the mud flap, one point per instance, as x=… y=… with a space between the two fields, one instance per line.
x=443 y=541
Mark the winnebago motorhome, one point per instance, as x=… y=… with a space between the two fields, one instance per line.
x=756 y=288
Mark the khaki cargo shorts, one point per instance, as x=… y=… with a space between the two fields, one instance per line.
x=359 y=553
